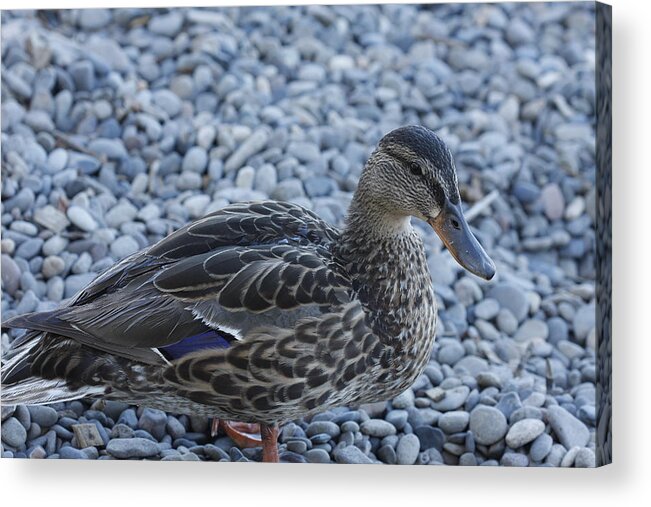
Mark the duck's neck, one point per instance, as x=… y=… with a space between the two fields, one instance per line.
x=385 y=258
x=371 y=216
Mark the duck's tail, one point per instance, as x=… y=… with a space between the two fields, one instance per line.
x=19 y=387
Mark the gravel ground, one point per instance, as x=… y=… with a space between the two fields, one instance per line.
x=120 y=126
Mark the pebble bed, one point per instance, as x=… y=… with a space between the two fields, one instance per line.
x=119 y=126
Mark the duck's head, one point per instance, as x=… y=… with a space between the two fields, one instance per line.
x=412 y=173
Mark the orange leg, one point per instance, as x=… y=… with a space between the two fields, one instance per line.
x=251 y=435
x=269 y=443
x=243 y=434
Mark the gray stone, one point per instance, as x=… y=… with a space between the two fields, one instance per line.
x=453 y=399
x=245 y=177
x=252 y=145
x=23 y=227
x=83 y=74
x=92 y=19
x=488 y=425
x=288 y=190
x=583 y=322
x=37 y=452
x=168 y=101
x=570 y=349
x=111 y=148
x=377 y=428
x=467 y=291
x=509 y=403
x=43 y=416
x=121 y=213
x=304 y=151
x=454 y=421
x=51 y=218
x=555 y=456
x=297 y=446
x=319 y=186
x=166 y=24
x=174 y=427
x=196 y=205
x=74 y=283
x=39 y=121
x=112 y=53
x=523 y=432
x=351 y=455
x=407 y=450
x=570 y=431
x=10 y=274
x=518 y=32
x=473 y=365
x=81 y=218
x=558 y=330
x=29 y=249
x=585 y=458
x=531 y=329
x=404 y=399
x=513 y=459
x=195 y=160
x=541 y=447
x=487 y=309
x=125 y=448
x=570 y=457
x=327 y=427
x=124 y=246
x=189 y=181
x=526 y=192
x=14 y=434
x=54 y=246
x=322 y=456
x=397 y=418
x=451 y=353
x=512 y=298
x=266 y=179
x=70 y=452
x=153 y=421
x=553 y=201
x=387 y=454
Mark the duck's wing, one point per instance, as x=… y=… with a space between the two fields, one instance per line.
x=142 y=306
x=279 y=373
x=242 y=224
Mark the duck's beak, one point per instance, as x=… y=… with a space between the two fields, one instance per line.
x=452 y=228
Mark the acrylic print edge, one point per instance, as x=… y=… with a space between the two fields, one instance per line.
x=603 y=78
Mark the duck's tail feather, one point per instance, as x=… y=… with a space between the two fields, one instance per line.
x=38 y=391
x=20 y=387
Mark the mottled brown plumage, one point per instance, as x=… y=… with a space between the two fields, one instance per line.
x=309 y=317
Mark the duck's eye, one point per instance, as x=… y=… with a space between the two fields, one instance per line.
x=415 y=168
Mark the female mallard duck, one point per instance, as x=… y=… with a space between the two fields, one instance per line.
x=262 y=312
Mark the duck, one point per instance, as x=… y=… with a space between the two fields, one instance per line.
x=261 y=312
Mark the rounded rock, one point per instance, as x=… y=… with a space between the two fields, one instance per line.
x=488 y=425
x=454 y=422
x=43 y=416
x=124 y=246
x=14 y=434
x=137 y=447
x=195 y=160
x=81 y=218
x=523 y=432
x=541 y=447
x=407 y=450
x=377 y=428
x=512 y=298
x=53 y=265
